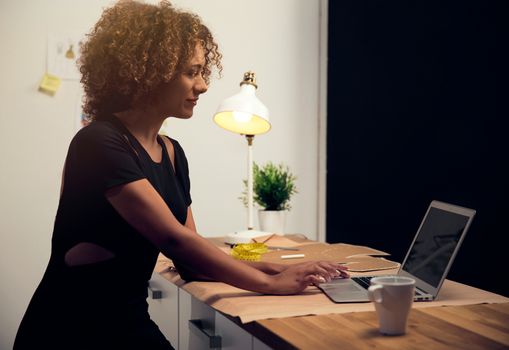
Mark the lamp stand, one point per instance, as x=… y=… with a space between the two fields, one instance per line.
x=247 y=235
x=250 y=225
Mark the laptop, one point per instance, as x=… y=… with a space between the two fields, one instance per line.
x=428 y=259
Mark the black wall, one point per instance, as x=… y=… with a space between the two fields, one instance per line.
x=412 y=117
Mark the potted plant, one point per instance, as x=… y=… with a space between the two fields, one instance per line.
x=273 y=187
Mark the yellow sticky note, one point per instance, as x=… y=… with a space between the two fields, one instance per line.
x=49 y=84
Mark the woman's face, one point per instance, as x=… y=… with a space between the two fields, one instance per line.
x=178 y=97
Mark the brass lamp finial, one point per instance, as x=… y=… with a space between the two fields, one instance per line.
x=250 y=79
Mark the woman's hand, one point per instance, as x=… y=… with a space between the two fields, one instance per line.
x=342 y=270
x=295 y=278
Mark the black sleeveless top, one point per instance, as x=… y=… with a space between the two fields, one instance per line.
x=101 y=156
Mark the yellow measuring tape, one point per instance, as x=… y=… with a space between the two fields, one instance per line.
x=248 y=251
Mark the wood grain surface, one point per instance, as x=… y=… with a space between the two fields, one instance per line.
x=484 y=326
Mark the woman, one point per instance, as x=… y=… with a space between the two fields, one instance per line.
x=125 y=190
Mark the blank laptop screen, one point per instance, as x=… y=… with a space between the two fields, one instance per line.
x=434 y=245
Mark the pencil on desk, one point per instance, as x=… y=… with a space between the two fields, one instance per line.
x=292 y=256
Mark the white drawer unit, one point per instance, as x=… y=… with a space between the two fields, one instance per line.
x=232 y=336
x=196 y=324
x=259 y=345
x=163 y=306
x=190 y=324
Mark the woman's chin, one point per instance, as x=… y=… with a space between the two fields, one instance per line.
x=181 y=116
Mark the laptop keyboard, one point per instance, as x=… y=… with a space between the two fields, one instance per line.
x=365 y=282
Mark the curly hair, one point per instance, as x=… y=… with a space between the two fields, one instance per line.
x=135 y=47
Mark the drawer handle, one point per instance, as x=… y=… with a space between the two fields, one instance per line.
x=154 y=293
x=196 y=326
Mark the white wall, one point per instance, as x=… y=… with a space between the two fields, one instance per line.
x=279 y=40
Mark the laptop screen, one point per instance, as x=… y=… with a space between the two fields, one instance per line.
x=434 y=245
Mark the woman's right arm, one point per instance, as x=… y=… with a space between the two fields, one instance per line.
x=144 y=209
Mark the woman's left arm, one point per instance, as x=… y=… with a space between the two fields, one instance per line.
x=187 y=274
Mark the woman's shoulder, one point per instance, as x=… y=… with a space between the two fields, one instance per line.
x=97 y=127
x=96 y=131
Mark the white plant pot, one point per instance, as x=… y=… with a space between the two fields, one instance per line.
x=272 y=221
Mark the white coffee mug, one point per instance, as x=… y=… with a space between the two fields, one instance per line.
x=393 y=297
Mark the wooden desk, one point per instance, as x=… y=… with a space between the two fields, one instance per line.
x=335 y=326
x=484 y=326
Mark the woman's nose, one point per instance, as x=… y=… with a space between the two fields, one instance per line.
x=201 y=85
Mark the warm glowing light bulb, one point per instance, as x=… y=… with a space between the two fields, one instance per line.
x=242 y=117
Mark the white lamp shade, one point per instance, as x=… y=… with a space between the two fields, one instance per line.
x=243 y=113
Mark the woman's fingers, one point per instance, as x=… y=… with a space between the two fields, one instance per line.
x=334 y=268
x=326 y=274
x=313 y=279
x=326 y=271
x=339 y=270
x=297 y=277
x=343 y=271
x=342 y=267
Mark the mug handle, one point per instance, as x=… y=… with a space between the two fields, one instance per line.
x=375 y=293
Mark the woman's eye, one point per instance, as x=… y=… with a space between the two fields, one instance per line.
x=193 y=73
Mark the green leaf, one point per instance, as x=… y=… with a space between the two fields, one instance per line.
x=273 y=186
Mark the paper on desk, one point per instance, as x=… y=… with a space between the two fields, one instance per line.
x=357 y=258
x=280 y=241
x=249 y=306
x=368 y=264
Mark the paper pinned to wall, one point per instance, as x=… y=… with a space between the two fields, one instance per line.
x=63 y=55
x=49 y=84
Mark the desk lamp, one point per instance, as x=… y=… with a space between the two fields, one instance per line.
x=244 y=114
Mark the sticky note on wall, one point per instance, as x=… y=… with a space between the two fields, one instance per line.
x=49 y=84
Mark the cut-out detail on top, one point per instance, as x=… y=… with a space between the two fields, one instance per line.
x=86 y=253
x=170 y=151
